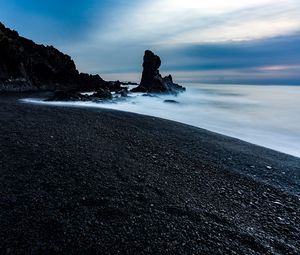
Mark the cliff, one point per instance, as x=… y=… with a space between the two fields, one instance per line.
x=25 y=65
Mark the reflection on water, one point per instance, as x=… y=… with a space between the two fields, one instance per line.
x=263 y=115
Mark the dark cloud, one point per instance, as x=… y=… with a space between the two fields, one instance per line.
x=236 y=55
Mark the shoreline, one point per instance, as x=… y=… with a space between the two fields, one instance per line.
x=102 y=181
x=242 y=143
x=93 y=105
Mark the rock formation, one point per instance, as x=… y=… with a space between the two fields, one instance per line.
x=152 y=81
x=74 y=95
x=25 y=66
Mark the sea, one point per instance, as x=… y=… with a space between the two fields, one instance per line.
x=268 y=116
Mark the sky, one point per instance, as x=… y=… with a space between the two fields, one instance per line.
x=215 y=41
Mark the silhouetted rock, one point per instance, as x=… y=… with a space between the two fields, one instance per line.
x=115 y=86
x=151 y=65
x=25 y=66
x=129 y=83
x=73 y=95
x=124 y=92
x=152 y=81
x=63 y=95
x=171 y=101
x=89 y=82
x=103 y=94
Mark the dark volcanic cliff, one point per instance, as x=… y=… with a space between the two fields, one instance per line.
x=25 y=65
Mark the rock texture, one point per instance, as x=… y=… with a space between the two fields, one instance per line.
x=25 y=66
x=152 y=81
x=73 y=95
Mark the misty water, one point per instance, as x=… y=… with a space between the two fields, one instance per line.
x=264 y=115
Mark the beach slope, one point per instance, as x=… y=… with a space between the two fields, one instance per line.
x=82 y=181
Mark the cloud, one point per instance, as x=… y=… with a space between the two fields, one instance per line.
x=209 y=41
x=168 y=22
x=192 y=35
x=282 y=50
x=268 y=61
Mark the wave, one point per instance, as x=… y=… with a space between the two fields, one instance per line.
x=268 y=116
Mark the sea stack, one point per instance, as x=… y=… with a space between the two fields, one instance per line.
x=152 y=81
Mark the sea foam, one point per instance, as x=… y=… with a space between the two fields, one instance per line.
x=264 y=115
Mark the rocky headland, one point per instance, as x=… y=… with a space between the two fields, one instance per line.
x=27 y=66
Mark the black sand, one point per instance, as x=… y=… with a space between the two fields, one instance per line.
x=81 y=181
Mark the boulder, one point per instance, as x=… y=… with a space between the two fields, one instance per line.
x=152 y=81
x=169 y=101
x=123 y=92
x=73 y=95
x=102 y=94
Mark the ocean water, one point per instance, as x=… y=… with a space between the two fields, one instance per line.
x=264 y=115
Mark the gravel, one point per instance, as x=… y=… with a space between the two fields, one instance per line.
x=86 y=181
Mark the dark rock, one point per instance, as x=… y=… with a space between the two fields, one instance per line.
x=151 y=65
x=73 y=95
x=63 y=95
x=140 y=89
x=123 y=92
x=152 y=81
x=89 y=82
x=115 y=86
x=102 y=94
x=129 y=83
x=149 y=95
x=171 y=101
x=25 y=65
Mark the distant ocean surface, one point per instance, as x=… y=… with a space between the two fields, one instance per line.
x=264 y=115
